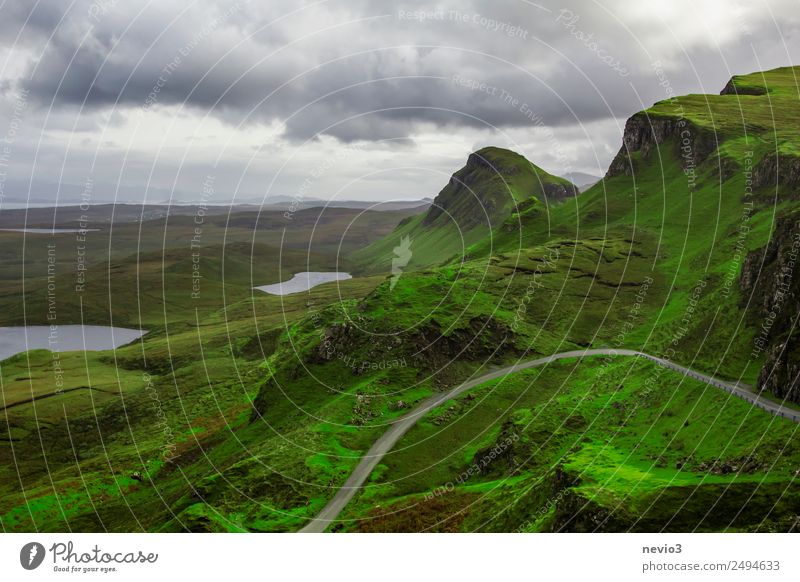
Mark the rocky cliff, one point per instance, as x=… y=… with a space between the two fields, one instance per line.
x=777 y=169
x=697 y=125
x=644 y=133
x=770 y=282
x=736 y=87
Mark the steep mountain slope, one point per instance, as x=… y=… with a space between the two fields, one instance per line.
x=770 y=277
x=491 y=186
x=652 y=259
x=494 y=184
x=699 y=183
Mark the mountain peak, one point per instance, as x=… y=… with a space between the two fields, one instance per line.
x=491 y=185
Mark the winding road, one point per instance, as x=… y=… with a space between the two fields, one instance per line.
x=387 y=440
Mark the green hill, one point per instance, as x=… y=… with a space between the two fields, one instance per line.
x=655 y=257
x=698 y=185
x=494 y=184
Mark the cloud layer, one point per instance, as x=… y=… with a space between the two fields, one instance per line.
x=261 y=94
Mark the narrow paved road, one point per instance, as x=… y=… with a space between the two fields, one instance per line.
x=387 y=440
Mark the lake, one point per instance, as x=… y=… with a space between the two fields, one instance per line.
x=15 y=340
x=303 y=282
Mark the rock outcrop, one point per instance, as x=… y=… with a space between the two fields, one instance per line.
x=644 y=133
x=559 y=192
x=770 y=282
x=732 y=88
x=777 y=169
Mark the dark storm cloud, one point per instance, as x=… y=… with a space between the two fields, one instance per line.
x=371 y=90
x=352 y=70
x=423 y=82
x=25 y=22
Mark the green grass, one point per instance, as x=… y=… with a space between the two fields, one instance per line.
x=620 y=442
x=773 y=115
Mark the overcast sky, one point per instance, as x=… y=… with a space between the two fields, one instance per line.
x=351 y=99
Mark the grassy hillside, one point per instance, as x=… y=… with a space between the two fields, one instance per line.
x=494 y=184
x=651 y=258
x=87 y=440
x=271 y=401
x=561 y=449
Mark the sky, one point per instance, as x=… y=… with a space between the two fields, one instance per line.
x=213 y=101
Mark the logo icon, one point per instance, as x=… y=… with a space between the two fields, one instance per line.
x=31 y=555
x=402 y=255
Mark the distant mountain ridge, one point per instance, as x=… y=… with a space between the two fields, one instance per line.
x=582 y=180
